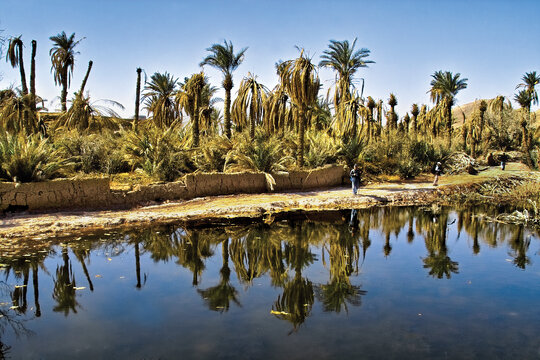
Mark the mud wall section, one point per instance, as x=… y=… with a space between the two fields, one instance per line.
x=96 y=193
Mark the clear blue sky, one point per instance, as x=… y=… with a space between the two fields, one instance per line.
x=492 y=43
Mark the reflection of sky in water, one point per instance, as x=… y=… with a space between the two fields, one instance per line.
x=487 y=309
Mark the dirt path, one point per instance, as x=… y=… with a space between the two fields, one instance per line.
x=207 y=209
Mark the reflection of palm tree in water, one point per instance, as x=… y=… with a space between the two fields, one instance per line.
x=294 y=304
x=191 y=252
x=520 y=246
x=64 y=292
x=218 y=297
x=343 y=253
x=438 y=261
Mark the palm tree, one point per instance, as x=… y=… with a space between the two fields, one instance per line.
x=370 y=105
x=224 y=59
x=300 y=79
x=14 y=56
x=252 y=95
x=63 y=59
x=524 y=98
x=444 y=88
x=414 y=112
x=190 y=99
x=158 y=96
x=342 y=58
x=530 y=80
x=392 y=117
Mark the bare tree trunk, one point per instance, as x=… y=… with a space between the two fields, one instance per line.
x=137 y=101
x=83 y=85
x=21 y=70
x=33 y=76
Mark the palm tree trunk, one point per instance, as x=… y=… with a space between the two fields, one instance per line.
x=195 y=125
x=63 y=94
x=21 y=70
x=227 y=113
x=83 y=85
x=33 y=76
x=137 y=101
x=449 y=123
x=252 y=114
x=301 y=129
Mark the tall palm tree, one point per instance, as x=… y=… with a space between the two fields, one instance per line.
x=530 y=80
x=300 y=79
x=392 y=117
x=63 y=59
x=14 y=56
x=252 y=95
x=414 y=112
x=444 y=88
x=225 y=60
x=158 y=97
x=370 y=105
x=342 y=58
x=190 y=99
x=524 y=98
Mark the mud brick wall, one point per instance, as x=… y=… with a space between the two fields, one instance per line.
x=55 y=194
x=96 y=193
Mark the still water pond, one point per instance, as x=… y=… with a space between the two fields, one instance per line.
x=383 y=283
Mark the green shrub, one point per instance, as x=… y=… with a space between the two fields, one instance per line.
x=159 y=153
x=30 y=158
x=213 y=154
x=322 y=149
x=100 y=153
x=262 y=154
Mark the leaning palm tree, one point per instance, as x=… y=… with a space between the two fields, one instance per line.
x=225 y=60
x=14 y=56
x=158 y=97
x=301 y=81
x=63 y=59
x=342 y=58
x=444 y=88
x=250 y=99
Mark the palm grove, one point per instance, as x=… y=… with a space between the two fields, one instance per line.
x=293 y=125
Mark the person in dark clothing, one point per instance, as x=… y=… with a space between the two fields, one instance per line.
x=438 y=171
x=355 y=178
x=504 y=159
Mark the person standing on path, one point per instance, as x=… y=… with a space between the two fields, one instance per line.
x=437 y=170
x=355 y=178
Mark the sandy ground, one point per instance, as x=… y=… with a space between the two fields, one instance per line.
x=207 y=209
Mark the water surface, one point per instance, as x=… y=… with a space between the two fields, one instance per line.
x=400 y=283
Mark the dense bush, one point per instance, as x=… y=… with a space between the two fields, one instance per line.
x=94 y=153
x=160 y=153
x=30 y=158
